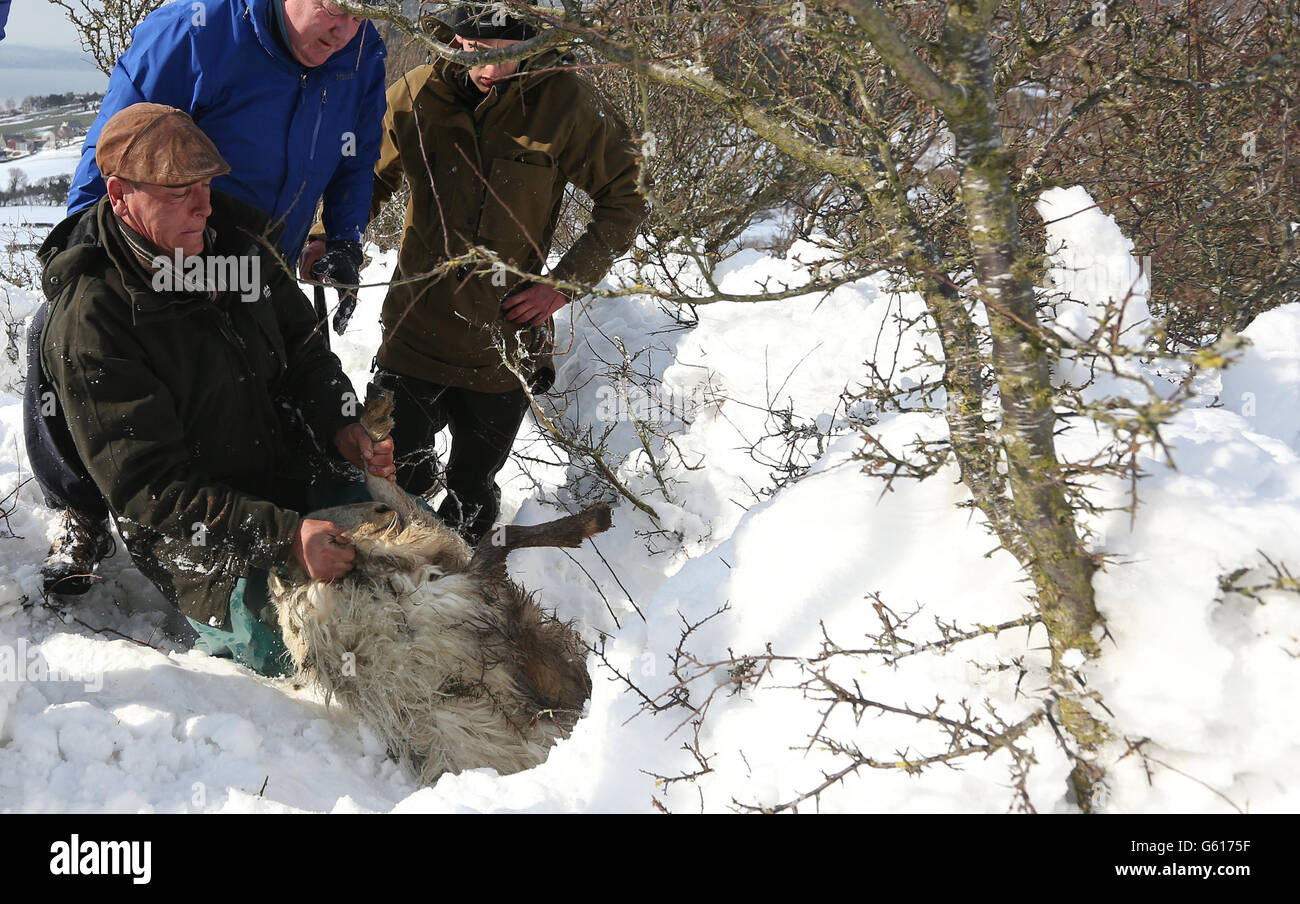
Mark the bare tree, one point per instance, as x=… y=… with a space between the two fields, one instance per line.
x=104 y=26
x=914 y=138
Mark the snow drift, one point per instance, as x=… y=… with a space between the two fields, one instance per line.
x=1198 y=668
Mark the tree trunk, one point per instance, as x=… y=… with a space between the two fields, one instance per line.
x=1060 y=566
x=1057 y=561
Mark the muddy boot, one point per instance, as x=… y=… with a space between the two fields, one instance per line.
x=69 y=569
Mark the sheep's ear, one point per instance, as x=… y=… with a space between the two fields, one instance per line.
x=408 y=509
x=281 y=580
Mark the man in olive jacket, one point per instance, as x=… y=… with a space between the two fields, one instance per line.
x=180 y=353
x=488 y=153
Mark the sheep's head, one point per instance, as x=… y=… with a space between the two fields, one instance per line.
x=388 y=540
x=450 y=662
x=365 y=518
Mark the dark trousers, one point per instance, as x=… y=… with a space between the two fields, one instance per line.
x=57 y=467
x=483 y=427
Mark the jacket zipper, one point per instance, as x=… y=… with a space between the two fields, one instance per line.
x=484 y=176
x=315 y=133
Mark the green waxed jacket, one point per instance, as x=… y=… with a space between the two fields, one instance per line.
x=495 y=175
x=182 y=405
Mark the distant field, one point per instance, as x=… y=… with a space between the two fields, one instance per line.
x=24 y=227
x=44 y=164
x=32 y=123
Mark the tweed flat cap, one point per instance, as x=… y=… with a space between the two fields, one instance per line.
x=157 y=144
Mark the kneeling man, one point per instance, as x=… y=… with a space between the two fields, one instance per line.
x=191 y=381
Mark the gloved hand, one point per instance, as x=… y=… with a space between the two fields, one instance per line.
x=541 y=381
x=341 y=267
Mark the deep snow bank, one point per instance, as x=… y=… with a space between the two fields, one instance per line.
x=1206 y=676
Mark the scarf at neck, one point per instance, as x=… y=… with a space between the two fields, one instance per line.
x=155 y=266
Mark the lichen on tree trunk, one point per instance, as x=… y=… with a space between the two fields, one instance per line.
x=1057 y=561
x=1029 y=509
x=1060 y=566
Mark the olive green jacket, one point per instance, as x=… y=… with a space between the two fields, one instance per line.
x=495 y=176
x=181 y=405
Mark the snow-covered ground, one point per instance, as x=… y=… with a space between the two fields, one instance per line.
x=27 y=224
x=1209 y=679
x=42 y=165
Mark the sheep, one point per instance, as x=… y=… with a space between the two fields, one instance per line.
x=452 y=664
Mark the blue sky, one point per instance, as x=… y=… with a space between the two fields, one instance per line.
x=38 y=23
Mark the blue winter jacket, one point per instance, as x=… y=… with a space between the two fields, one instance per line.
x=290 y=134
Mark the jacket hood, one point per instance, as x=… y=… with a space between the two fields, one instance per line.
x=72 y=248
x=72 y=232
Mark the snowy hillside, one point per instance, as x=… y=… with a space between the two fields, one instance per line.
x=1207 y=677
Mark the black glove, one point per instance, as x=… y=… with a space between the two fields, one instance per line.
x=341 y=267
x=541 y=381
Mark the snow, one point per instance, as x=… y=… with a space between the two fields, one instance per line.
x=1093 y=265
x=1264 y=386
x=1200 y=679
x=43 y=164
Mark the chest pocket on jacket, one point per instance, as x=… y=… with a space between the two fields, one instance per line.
x=517 y=208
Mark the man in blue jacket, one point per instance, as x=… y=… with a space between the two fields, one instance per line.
x=291 y=92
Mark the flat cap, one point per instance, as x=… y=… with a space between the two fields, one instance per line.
x=157 y=144
x=485 y=20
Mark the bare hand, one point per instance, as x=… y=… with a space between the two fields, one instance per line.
x=314 y=251
x=533 y=305
x=355 y=444
x=323 y=550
